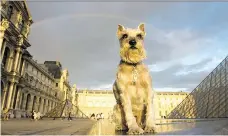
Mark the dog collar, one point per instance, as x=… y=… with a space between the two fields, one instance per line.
x=132 y=64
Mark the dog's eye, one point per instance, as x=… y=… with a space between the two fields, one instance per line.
x=139 y=36
x=124 y=36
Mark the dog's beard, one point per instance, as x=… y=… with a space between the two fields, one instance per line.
x=132 y=55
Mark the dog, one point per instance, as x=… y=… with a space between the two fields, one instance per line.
x=133 y=85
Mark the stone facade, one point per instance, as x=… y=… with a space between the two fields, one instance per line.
x=25 y=84
x=97 y=101
x=165 y=102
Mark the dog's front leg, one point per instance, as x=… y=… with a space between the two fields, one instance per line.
x=150 y=121
x=133 y=127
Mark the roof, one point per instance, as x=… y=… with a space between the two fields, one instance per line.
x=55 y=68
x=26 y=53
x=28 y=12
x=171 y=93
x=95 y=91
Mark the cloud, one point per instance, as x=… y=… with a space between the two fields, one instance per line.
x=102 y=87
x=84 y=41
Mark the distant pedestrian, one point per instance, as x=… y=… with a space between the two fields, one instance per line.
x=33 y=112
x=102 y=116
x=92 y=116
x=69 y=117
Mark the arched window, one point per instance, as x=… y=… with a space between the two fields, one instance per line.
x=6 y=55
x=10 y=12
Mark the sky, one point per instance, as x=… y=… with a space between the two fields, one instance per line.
x=184 y=41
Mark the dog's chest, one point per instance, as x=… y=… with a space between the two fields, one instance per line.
x=138 y=84
x=139 y=77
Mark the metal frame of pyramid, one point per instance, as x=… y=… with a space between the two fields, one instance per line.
x=62 y=109
x=209 y=99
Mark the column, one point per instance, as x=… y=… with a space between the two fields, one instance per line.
x=30 y=103
x=13 y=95
x=9 y=62
x=3 y=49
x=36 y=104
x=3 y=27
x=24 y=101
x=41 y=106
x=18 y=98
x=20 y=101
x=23 y=68
x=10 y=95
x=44 y=104
x=4 y=95
x=19 y=63
x=16 y=59
x=52 y=106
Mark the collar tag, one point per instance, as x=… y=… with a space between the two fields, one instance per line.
x=135 y=75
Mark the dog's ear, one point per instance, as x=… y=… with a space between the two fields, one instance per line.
x=142 y=27
x=120 y=28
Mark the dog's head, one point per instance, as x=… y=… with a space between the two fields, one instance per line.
x=132 y=43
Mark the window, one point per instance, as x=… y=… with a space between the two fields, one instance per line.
x=6 y=55
x=10 y=12
x=171 y=105
x=56 y=84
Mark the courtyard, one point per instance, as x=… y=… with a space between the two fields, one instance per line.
x=47 y=126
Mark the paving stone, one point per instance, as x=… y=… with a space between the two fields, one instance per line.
x=46 y=126
x=171 y=127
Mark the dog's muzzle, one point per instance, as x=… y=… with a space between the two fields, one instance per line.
x=132 y=42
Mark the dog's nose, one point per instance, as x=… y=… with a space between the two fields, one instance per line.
x=132 y=42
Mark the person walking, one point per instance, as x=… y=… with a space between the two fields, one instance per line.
x=32 y=117
x=69 y=117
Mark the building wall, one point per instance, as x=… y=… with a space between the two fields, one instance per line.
x=165 y=102
x=25 y=84
x=97 y=101
x=63 y=85
x=15 y=27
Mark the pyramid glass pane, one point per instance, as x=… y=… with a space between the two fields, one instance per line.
x=209 y=99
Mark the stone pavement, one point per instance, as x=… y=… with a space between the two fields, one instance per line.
x=171 y=127
x=46 y=127
x=105 y=127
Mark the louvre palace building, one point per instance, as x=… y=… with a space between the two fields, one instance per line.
x=25 y=84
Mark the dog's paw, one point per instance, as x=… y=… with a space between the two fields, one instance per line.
x=135 y=131
x=120 y=127
x=149 y=129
